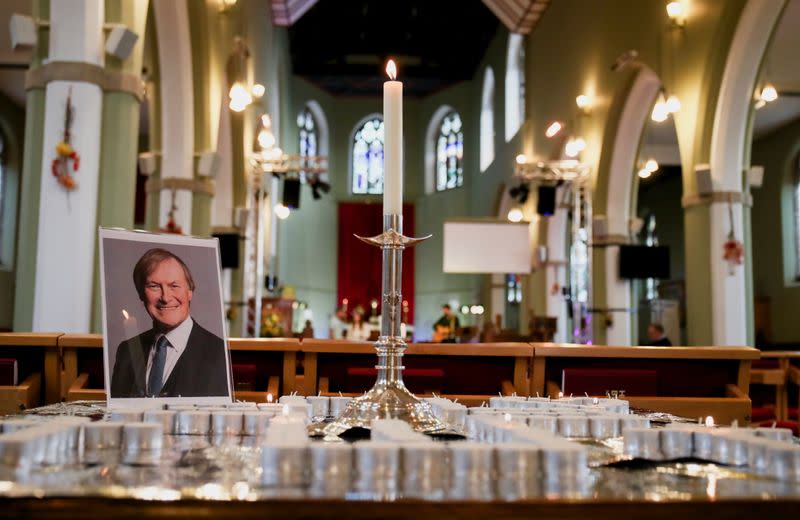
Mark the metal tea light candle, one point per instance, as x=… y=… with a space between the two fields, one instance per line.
x=389 y=398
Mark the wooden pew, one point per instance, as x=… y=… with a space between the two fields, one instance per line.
x=690 y=381
x=778 y=376
x=38 y=367
x=470 y=372
x=274 y=357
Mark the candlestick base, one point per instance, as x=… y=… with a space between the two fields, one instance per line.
x=386 y=401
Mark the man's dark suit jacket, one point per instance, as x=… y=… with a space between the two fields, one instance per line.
x=200 y=371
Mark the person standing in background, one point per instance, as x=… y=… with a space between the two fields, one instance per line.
x=337 y=326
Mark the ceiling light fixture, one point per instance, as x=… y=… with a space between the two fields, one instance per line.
x=521 y=159
x=673 y=104
x=553 y=130
x=584 y=103
x=282 y=212
x=651 y=165
x=644 y=173
x=769 y=93
x=574 y=146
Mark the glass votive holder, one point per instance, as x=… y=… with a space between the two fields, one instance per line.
x=256 y=422
x=573 y=425
x=227 y=422
x=424 y=470
x=331 y=469
x=164 y=417
x=377 y=466
x=284 y=464
x=471 y=471
x=192 y=422
x=320 y=406
x=517 y=466
x=603 y=426
x=642 y=443
x=676 y=443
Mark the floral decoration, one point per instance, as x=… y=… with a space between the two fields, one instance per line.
x=67 y=161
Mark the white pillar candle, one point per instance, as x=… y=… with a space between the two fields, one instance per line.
x=676 y=443
x=285 y=463
x=320 y=405
x=126 y=415
x=603 y=426
x=471 y=470
x=338 y=405
x=102 y=435
x=777 y=434
x=392 y=143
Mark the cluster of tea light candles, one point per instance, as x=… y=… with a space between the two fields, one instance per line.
x=767 y=451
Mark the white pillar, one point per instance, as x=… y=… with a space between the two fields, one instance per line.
x=68 y=220
x=177 y=106
x=728 y=287
x=557 y=270
x=734 y=103
x=618 y=298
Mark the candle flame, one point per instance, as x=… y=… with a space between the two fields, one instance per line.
x=709 y=421
x=285 y=410
x=269 y=398
x=391 y=70
x=507 y=417
x=125 y=314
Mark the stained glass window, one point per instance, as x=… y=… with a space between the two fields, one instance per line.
x=450 y=153
x=367 y=163
x=308 y=134
x=515 y=85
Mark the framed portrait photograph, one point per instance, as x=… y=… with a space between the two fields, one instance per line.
x=163 y=320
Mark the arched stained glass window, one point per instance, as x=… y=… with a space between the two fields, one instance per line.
x=308 y=133
x=515 y=85
x=450 y=153
x=367 y=160
x=487 y=120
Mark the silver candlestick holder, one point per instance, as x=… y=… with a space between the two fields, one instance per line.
x=389 y=398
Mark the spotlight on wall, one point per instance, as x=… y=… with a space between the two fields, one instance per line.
x=521 y=159
x=769 y=93
x=673 y=104
x=584 y=103
x=553 y=130
x=651 y=165
x=515 y=215
x=258 y=90
x=282 y=212
x=660 y=111
x=676 y=12
x=120 y=41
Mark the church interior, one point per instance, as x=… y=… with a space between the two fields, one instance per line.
x=570 y=199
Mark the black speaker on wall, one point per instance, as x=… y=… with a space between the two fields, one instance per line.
x=546 y=204
x=291 y=193
x=228 y=250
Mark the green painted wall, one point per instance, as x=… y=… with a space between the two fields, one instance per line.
x=774 y=227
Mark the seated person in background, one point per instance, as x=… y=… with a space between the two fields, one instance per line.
x=356 y=331
x=308 y=330
x=655 y=333
x=338 y=324
x=444 y=330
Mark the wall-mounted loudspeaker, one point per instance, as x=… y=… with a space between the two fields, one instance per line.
x=120 y=41
x=702 y=173
x=23 y=31
x=148 y=163
x=207 y=164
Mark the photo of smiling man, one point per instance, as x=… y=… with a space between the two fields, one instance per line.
x=167 y=351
